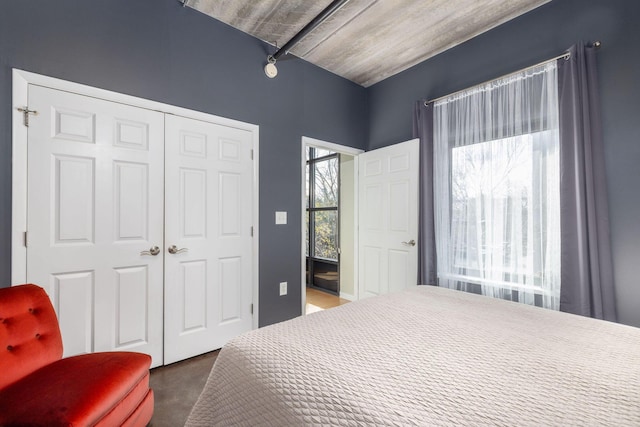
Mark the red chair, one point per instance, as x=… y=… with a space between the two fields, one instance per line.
x=38 y=388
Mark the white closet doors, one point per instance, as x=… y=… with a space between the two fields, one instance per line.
x=139 y=226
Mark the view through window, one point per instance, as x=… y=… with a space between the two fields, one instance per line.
x=322 y=219
x=497 y=188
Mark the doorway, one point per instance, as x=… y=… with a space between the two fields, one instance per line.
x=328 y=225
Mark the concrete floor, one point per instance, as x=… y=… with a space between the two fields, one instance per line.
x=176 y=388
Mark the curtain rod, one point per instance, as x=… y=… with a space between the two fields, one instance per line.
x=565 y=55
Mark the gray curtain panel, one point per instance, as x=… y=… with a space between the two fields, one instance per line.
x=423 y=129
x=587 y=274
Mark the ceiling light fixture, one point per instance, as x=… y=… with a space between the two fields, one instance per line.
x=270 y=69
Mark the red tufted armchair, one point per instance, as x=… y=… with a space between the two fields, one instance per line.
x=38 y=388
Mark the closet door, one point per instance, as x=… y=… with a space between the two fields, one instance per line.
x=208 y=211
x=95 y=220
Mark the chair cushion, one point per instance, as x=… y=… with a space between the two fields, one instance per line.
x=141 y=417
x=29 y=334
x=79 y=391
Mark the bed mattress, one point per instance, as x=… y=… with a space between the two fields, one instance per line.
x=427 y=356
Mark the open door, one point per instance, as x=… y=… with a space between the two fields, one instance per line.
x=388 y=219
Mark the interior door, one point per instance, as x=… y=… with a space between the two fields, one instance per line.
x=388 y=219
x=95 y=222
x=208 y=237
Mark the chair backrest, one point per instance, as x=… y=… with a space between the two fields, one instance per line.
x=29 y=332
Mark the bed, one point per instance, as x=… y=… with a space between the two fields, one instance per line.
x=427 y=356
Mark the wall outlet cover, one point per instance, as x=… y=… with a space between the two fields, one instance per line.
x=281 y=217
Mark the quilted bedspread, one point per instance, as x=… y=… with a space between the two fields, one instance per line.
x=427 y=356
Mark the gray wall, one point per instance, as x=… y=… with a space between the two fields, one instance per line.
x=158 y=50
x=531 y=38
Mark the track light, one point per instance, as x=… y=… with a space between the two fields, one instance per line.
x=270 y=69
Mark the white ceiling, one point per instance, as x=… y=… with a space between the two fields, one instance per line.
x=367 y=41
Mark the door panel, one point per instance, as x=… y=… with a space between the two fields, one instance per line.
x=192 y=202
x=95 y=198
x=73 y=213
x=230 y=297
x=208 y=205
x=193 y=288
x=132 y=288
x=131 y=197
x=388 y=217
x=371 y=271
x=72 y=297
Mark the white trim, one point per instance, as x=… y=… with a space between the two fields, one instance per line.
x=256 y=228
x=348 y=296
x=356 y=229
x=303 y=251
x=342 y=149
x=21 y=81
x=64 y=85
x=19 y=181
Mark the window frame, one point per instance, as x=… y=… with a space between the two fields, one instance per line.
x=317 y=265
x=470 y=278
x=311 y=208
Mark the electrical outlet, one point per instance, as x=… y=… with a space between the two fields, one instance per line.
x=283 y=288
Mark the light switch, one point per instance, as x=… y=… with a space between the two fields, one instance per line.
x=283 y=288
x=281 y=217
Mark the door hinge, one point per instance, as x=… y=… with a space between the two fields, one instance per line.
x=25 y=239
x=252 y=231
x=25 y=115
x=251 y=308
x=252 y=154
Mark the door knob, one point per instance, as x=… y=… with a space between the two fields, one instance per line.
x=154 y=250
x=173 y=249
x=409 y=243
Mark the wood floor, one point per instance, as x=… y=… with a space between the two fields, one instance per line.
x=318 y=301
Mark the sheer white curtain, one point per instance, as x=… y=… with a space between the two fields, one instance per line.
x=496 y=188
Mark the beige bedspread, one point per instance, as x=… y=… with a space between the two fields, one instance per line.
x=427 y=356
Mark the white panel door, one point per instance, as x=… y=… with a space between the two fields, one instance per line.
x=388 y=219
x=208 y=212
x=95 y=204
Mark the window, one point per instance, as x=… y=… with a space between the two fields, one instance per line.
x=322 y=220
x=497 y=188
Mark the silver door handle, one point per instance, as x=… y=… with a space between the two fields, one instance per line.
x=173 y=249
x=409 y=243
x=154 y=250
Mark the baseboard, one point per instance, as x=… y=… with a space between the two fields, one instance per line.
x=347 y=296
